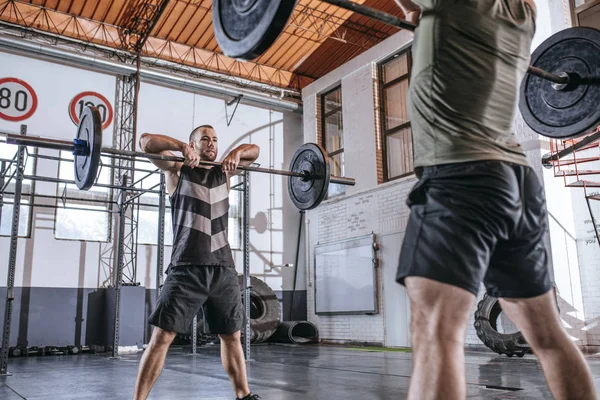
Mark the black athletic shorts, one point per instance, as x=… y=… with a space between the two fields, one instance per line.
x=478 y=221
x=188 y=289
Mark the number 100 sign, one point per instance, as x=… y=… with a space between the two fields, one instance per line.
x=18 y=100
x=93 y=99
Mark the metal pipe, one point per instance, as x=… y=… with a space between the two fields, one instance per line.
x=548 y=158
x=540 y=73
x=175 y=81
x=372 y=13
x=69 y=146
x=100 y=185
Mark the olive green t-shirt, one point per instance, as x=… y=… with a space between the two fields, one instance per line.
x=469 y=57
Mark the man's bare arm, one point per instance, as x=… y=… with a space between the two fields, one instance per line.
x=244 y=154
x=161 y=144
x=411 y=10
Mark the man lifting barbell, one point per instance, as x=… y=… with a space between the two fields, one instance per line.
x=478 y=211
x=202 y=272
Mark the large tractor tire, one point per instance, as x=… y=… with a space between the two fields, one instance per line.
x=265 y=311
x=486 y=325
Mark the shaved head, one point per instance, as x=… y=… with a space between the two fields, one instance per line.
x=200 y=130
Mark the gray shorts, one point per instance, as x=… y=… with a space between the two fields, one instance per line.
x=478 y=222
x=188 y=289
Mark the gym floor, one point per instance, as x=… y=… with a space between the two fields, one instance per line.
x=278 y=372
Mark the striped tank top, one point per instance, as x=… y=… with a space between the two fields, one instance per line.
x=200 y=211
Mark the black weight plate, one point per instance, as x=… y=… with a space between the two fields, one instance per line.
x=575 y=110
x=246 y=28
x=312 y=159
x=90 y=130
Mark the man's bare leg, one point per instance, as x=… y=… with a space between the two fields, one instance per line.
x=565 y=368
x=234 y=363
x=439 y=317
x=152 y=362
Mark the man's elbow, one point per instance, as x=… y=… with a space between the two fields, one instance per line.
x=144 y=141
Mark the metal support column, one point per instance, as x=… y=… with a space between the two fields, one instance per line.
x=195 y=335
x=119 y=270
x=2 y=172
x=160 y=251
x=12 y=258
x=246 y=244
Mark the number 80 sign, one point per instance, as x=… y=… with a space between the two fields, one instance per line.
x=18 y=100
x=94 y=99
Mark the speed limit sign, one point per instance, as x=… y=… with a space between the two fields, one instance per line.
x=93 y=99
x=18 y=100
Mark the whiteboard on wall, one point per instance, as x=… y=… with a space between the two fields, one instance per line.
x=345 y=281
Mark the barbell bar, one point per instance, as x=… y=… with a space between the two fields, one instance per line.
x=65 y=145
x=559 y=95
x=308 y=181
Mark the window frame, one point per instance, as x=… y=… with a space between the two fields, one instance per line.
x=382 y=98
x=27 y=191
x=576 y=10
x=323 y=117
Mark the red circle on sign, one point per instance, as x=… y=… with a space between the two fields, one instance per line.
x=34 y=100
x=73 y=112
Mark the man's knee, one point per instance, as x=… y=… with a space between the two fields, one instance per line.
x=161 y=337
x=230 y=337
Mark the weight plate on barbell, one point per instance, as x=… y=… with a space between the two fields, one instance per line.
x=90 y=130
x=575 y=109
x=307 y=193
x=246 y=28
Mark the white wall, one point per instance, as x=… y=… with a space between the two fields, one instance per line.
x=56 y=263
x=43 y=261
x=367 y=207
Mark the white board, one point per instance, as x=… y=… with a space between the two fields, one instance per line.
x=345 y=281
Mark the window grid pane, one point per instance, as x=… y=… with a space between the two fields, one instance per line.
x=333 y=137
x=332 y=101
x=395 y=107
x=91 y=222
x=395 y=68
x=400 y=153
x=398 y=148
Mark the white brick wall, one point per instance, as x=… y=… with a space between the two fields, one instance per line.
x=382 y=211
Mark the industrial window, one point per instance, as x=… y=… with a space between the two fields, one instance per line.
x=394 y=74
x=7 y=189
x=83 y=215
x=333 y=137
x=586 y=13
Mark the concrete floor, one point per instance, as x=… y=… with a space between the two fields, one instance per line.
x=278 y=372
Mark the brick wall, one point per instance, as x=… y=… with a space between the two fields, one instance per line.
x=380 y=211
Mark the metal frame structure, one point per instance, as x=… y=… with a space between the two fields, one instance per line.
x=246 y=273
x=124 y=204
x=12 y=258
